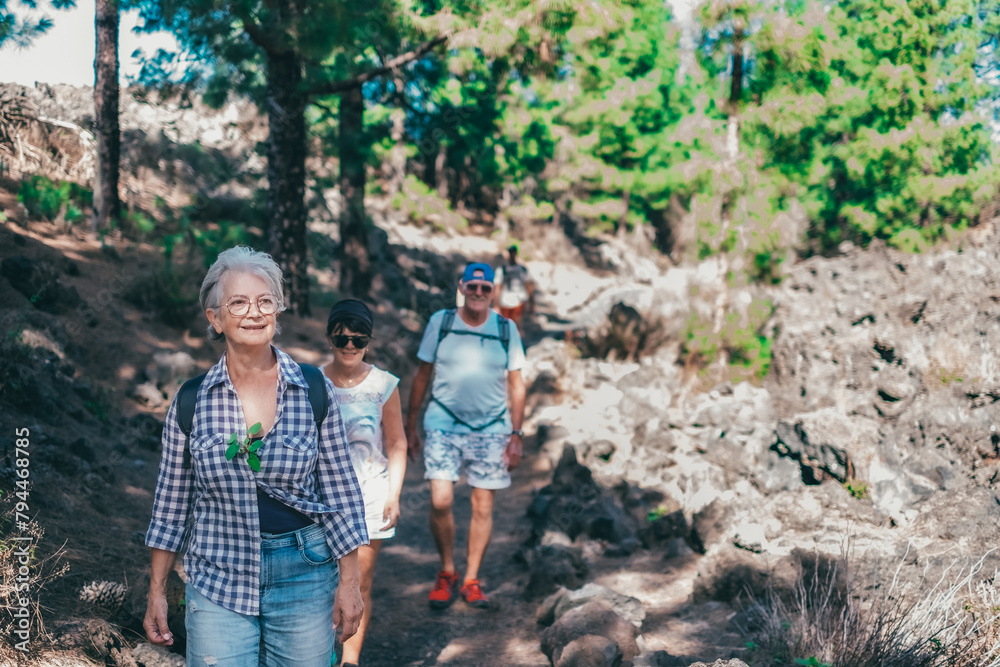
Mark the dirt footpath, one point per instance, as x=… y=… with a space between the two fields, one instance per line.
x=405 y=631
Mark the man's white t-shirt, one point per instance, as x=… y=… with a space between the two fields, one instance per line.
x=469 y=374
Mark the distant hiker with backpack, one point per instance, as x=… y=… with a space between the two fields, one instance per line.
x=257 y=487
x=474 y=416
x=516 y=290
x=371 y=410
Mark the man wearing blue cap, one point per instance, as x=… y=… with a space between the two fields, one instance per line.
x=473 y=418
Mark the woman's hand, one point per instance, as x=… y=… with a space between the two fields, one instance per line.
x=155 y=622
x=348 y=604
x=390 y=515
x=347 y=608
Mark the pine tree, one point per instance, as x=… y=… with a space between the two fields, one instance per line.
x=295 y=45
x=871 y=112
x=107 y=205
x=620 y=100
x=21 y=32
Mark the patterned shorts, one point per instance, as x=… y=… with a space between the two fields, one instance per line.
x=482 y=454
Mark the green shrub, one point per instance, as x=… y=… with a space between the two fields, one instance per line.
x=172 y=298
x=207 y=240
x=857 y=488
x=45 y=198
x=742 y=337
x=812 y=661
x=139 y=222
x=422 y=205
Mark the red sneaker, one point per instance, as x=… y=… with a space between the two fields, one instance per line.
x=444 y=591
x=473 y=595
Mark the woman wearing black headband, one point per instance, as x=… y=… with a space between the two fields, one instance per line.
x=370 y=407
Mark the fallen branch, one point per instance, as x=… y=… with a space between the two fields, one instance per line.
x=86 y=135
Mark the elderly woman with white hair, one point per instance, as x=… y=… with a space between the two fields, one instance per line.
x=259 y=491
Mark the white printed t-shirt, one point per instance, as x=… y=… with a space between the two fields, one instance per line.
x=469 y=374
x=361 y=410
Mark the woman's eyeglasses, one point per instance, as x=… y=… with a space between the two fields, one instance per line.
x=341 y=340
x=485 y=288
x=239 y=305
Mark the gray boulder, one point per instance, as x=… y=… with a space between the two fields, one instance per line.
x=827 y=443
x=563 y=600
x=660 y=659
x=552 y=566
x=885 y=367
x=729 y=573
x=596 y=617
x=169 y=370
x=590 y=651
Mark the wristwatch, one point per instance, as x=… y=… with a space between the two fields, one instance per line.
x=518 y=432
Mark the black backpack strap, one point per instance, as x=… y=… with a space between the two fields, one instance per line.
x=318 y=398
x=503 y=328
x=446 y=321
x=459 y=420
x=503 y=325
x=187 y=399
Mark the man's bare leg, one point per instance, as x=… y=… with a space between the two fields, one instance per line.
x=480 y=530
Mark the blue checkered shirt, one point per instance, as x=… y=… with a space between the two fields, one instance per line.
x=207 y=505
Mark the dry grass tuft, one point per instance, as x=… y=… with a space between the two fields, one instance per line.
x=891 y=619
x=22 y=583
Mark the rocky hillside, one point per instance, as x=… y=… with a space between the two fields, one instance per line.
x=871 y=445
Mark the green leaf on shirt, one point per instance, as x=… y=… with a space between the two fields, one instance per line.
x=255 y=445
x=232 y=450
x=254 y=462
x=254 y=430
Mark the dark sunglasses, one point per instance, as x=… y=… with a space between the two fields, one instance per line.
x=485 y=288
x=341 y=340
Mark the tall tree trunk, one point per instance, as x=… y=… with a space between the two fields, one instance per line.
x=107 y=205
x=286 y=175
x=355 y=264
x=736 y=85
x=396 y=172
x=735 y=92
x=440 y=175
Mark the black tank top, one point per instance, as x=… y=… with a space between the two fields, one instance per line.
x=275 y=516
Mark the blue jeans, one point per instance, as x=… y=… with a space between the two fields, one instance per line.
x=298 y=577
